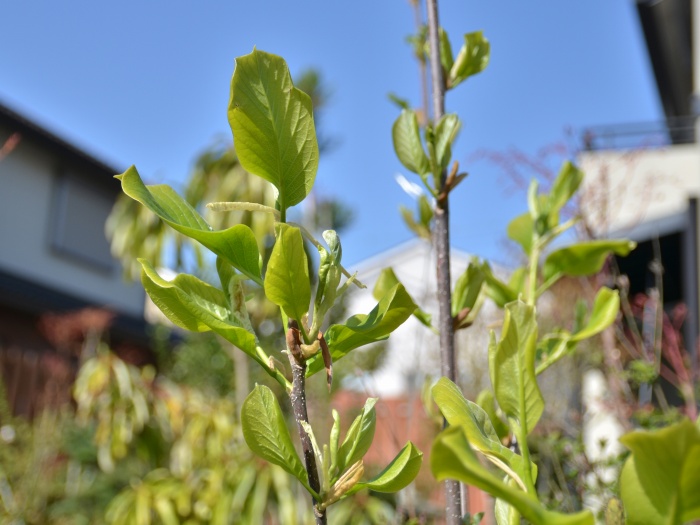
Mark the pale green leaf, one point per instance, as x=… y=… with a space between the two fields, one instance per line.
x=512 y=366
x=385 y=282
x=585 y=258
x=467 y=288
x=236 y=244
x=459 y=411
x=359 y=436
x=407 y=143
x=445 y=135
x=391 y=312
x=660 y=482
x=273 y=126
x=402 y=470
x=287 y=278
x=453 y=458
x=266 y=433
x=565 y=186
x=521 y=231
x=446 y=58
x=605 y=309
x=472 y=58
x=499 y=292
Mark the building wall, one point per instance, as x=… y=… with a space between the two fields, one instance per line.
x=626 y=189
x=52 y=228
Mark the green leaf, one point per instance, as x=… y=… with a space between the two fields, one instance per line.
x=660 y=482
x=236 y=244
x=512 y=366
x=390 y=313
x=472 y=58
x=459 y=411
x=445 y=134
x=487 y=402
x=499 y=292
x=425 y=211
x=266 y=433
x=359 y=436
x=407 y=143
x=446 y=58
x=467 y=288
x=521 y=230
x=452 y=458
x=565 y=186
x=385 y=282
x=402 y=103
x=287 y=278
x=402 y=470
x=605 y=309
x=273 y=126
x=585 y=258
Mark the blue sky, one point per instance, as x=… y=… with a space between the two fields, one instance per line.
x=147 y=83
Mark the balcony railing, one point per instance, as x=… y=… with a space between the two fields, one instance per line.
x=677 y=130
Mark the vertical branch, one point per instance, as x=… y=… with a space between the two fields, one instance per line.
x=448 y=363
x=298 y=399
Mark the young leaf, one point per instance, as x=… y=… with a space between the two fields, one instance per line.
x=605 y=308
x=445 y=135
x=236 y=244
x=407 y=143
x=487 y=402
x=446 y=58
x=585 y=258
x=459 y=411
x=287 y=278
x=390 y=313
x=266 y=433
x=467 y=288
x=499 y=292
x=452 y=458
x=564 y=187
x=273 y=126
x=512 y=366
x=472 y=58
x=385 y=282
x=521 y=230
x=359 y=437
x=402 y=470
x=660 y=482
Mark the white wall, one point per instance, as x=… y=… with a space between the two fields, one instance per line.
x=28 y=178
x=625 y=189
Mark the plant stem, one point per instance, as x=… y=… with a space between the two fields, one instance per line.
x=298 y=399
x=448 y=365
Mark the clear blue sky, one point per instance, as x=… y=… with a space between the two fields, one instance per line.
x=147 y=83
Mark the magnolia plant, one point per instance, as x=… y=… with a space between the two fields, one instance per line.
x=275 y=139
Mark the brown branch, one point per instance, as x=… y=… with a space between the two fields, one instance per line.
x=298 y=399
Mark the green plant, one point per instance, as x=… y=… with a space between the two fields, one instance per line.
x=274 y=135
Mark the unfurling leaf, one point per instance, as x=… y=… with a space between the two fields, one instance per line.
x=385 y=282
x=287 y=278
x=402 y=470
x=585 y=258
x=359 y=437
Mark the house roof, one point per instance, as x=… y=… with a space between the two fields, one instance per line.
x=667 y=26
x=34 y=132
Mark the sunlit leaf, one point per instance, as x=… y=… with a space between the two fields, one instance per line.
x=660 y=482
x=390 y=313
x=385 y=282
x=287 y=278
x=359 y=436
x=273 y=126
x=236 y=244
x=512 y=366
x=472 y=58
x=585 y=258
x=407 y=143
